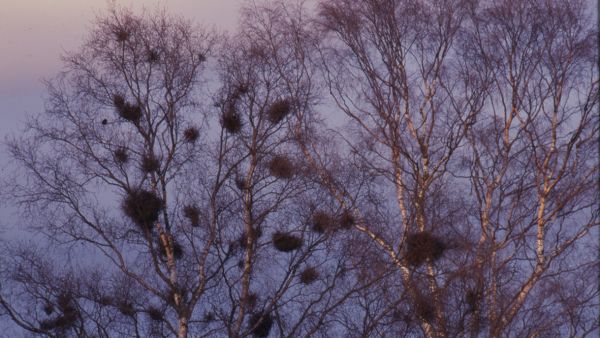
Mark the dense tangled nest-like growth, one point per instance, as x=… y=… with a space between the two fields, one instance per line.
x=153 y=56
x=176 y=247
x=422 y=247
x=127 y=111
x=243 y=240
x=48 y=308
x=149 y=164
x=243 y=88
x=126 y=308
x=208 y=317
x=423 y=308
x=309 y=275
x=286 y=242
x=231 y=120
x=142 y=207
x=281 y=167
x=121 y=34
x=472 y=298
x=322 y=222
x=260 y=324
x=191 y=134
x=155 y=313
x=66 y=318
x=192 y=213
x=240 y=183
x=346 y=220
x=278 y=110
x=252 y=300
x=121 y=155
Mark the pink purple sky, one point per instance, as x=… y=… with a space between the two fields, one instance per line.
x=34 y=34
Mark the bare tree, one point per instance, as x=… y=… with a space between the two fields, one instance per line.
x=119 y=125
x=200 y=231
x=534 y=186
x=266 y=99
x=501 y=94
x=457 y=200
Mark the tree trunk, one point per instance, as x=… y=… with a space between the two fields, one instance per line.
x=183 y=327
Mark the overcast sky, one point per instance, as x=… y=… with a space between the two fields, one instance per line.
x=34 y=33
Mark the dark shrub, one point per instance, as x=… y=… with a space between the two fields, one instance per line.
x=192 y=213
x=104 y=122
x=278 y=110
x=149 y=164
x=422 y=247
x=191 y=134
x=281 y=167
x=142 y=207
x=260 y=324
x=286 y=242
x=309 y=275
